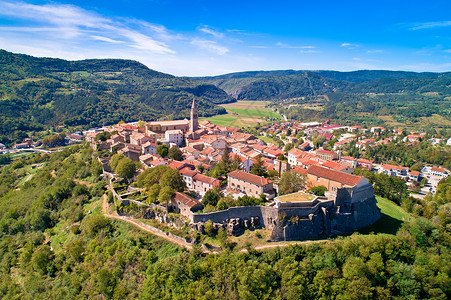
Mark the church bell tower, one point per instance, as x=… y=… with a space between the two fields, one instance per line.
x=194 y=123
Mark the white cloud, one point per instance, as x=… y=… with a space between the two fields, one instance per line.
x=210 y=46
x=427 y=25
x=350 y=45
x=105 y=39
x=75 y=24
x=208 y=30
x=287 y=46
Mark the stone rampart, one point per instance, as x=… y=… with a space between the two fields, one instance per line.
x=267 y=215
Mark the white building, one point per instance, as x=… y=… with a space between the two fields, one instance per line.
x=174 y=136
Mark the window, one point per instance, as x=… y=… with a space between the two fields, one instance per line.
x=318 y=179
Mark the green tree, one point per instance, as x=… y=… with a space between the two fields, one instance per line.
x=162 y=150
x=226 y=161
x=153 y=192
x=126 y=168
x=236 y=163
x=318 y=190
x=212 y=197
x=42 y=259
x=258 y=167
x=172 y=178
x=288 y=147
x=165 y=194
x=175 y=153
x=291 y=182
x=115 y=159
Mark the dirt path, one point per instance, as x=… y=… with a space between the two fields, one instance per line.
x=287 y=244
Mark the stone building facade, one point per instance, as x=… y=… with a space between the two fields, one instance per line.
x=251 y=185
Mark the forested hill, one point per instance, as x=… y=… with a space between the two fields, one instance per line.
x=281 y=85
x=40 y=92
x=353 y=76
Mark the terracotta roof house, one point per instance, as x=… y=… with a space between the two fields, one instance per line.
x=438 y=172
x=338 y=167
x=202 y=183
x=184 y=204
x=318 y=175
x=251 y=185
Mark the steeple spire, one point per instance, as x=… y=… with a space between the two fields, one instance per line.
x=194 y=123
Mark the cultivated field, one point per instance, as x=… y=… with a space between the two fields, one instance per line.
x=244 y=114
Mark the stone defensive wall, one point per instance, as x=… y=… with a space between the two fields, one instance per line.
x=268 y=215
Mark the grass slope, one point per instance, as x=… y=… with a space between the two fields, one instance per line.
x=392 y=217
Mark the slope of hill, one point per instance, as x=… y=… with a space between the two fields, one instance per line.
x=39 y=92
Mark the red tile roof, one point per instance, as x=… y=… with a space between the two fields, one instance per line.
x=185 y=199
x=176 y=165
x=325 y=152
x=299 y=170
x=337 y=176
x=390 y=167
x=258 y=180
x=188 y=172
x=203 y=178
x=435 y=169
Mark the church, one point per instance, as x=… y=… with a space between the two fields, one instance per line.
x=157 y=129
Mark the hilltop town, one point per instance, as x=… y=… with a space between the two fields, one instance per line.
x=313 y=152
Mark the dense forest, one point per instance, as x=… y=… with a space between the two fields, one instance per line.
x=37 y=93
x=55 y=243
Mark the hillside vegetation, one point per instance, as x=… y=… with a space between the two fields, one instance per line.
x=36 y=93
x=377 y=97
x=56 y=244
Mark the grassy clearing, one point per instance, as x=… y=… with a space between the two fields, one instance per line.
x=392 y=217
x=255 y=112
x=244 y=114
x=267 y=139
x=296 y=197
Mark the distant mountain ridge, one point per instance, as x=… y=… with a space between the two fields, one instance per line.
x=39 y=92
x=352 y=76
x=286 y=84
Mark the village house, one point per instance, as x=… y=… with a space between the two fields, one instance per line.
x=438 y=172
x=139 y=139
x=149 y=148
x=395 y=171
x=365 y=163
x=327 y=155
x=184 y=204
x=187 y=175
x=131 y=153
x=202 y=183
x=414 y=176
x=349 y=161
x=174 y=137
x=332 y=179
x=251 y=185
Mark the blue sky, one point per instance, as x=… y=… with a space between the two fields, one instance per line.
x=208 y=37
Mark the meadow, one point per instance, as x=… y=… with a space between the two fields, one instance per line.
x=244 y=114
